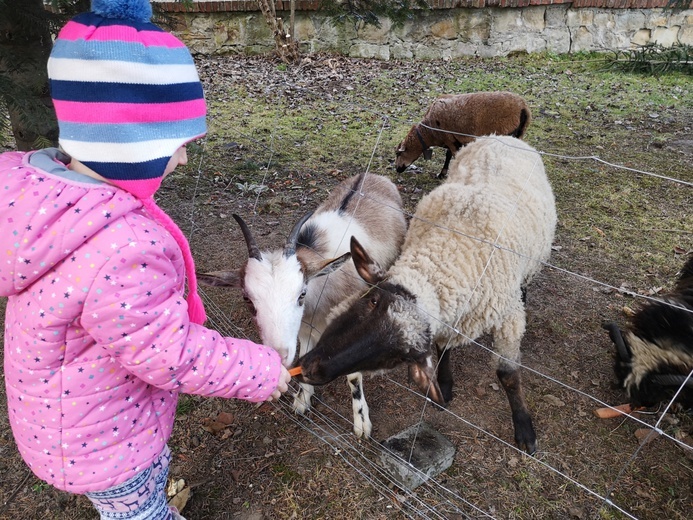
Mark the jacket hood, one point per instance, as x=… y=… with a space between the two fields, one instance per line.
x=46 y=217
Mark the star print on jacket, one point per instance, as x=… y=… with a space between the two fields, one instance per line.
x=98 y=342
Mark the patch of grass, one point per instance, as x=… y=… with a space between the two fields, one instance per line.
x=186 y=404
x=286 y=475
x=40 y=487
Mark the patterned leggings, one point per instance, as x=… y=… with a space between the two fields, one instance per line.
x=143 y=497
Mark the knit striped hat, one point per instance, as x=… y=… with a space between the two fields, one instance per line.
x=127 y=96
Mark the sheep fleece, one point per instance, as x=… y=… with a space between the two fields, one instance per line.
x=497 y=192
x=98 y=343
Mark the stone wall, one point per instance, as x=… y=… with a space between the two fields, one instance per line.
x=446 y=33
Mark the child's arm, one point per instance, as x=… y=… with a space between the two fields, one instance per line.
x=136 y=311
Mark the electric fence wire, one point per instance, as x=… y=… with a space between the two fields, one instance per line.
x=362 y=456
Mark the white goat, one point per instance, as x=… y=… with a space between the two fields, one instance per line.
x=472 y=246
x=287 y=289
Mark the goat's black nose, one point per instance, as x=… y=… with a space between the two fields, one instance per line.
x=312 y=371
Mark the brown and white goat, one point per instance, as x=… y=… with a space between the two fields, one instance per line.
x=472 y=246
x=454 y=120
x=288 y=290
x=654 y=355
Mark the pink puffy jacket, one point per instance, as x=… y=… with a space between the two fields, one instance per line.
x=98 y=343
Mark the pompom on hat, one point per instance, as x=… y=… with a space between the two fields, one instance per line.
x=127 y=96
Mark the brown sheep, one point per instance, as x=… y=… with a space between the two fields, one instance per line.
x=475 y=114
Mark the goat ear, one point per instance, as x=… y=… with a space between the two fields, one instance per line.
x=366 y=267
x=324 y=268
x=220 y=278
x=401 y=149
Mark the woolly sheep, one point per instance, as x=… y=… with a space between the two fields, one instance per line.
x=287 y=289
x=654 y=355
x=472 y=246
x=461 y=117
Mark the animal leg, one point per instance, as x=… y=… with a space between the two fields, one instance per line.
x=444 y=172
x=525 y=436
x=302 y=398
x=362 y=420
x=305 y=391
x=507 y=339
x=445 y=375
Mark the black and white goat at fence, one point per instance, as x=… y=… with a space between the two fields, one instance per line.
x=472 y=246
x=654 y=355
x=292 y=290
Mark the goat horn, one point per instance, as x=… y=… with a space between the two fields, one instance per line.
x=290 y=247
x=672 y=380
x=615 y=335
x=253 y=250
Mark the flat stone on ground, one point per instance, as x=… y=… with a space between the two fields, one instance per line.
x=432 y=454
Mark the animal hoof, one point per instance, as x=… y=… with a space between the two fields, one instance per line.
x=440 y=407
x=527 y=442
x=362 y=429
x=525 y=436
x=529 y=448
x=301 y=407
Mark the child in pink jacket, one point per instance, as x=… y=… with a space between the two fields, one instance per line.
x=99 y=339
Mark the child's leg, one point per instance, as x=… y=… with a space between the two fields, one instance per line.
x=143 y=497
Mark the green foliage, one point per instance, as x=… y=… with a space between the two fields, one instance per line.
x=40 y=487
x=678 y=5
x=26 y=31
x=368 y=12
x=186 y=404
x=653 y=59
x=24 y=48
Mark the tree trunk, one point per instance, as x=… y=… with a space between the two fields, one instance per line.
x=25 y=44
x=287 y=46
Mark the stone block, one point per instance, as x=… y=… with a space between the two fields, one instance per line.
x=432 y=454
x=507 y=21
x=665 y=36
x=533 y=18
x=641 y=37
x=376 y=35
x=366 y=50
x=444 y=29
x=686 y=35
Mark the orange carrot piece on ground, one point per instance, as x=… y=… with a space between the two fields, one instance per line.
x=616 y=411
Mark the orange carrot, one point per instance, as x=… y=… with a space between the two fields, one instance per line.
x=616 y=411
x=295 y=371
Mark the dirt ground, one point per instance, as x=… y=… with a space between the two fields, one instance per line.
x=264 y=462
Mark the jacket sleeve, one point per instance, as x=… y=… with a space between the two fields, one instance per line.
x=136 y=311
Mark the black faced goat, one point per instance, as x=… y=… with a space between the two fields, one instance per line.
x=654 y=354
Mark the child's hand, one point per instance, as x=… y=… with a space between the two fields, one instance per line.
x=283 y=386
